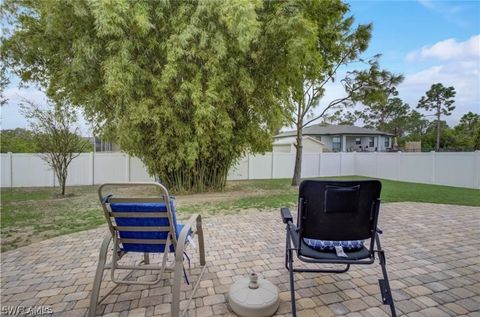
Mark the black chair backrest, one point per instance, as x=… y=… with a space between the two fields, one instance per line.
x=338 y=210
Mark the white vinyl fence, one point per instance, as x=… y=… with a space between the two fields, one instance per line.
x=460 y=169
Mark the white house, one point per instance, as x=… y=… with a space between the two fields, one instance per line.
x=287 y=145
x=344 y=138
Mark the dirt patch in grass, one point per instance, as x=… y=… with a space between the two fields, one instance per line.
x=31 y=214
x=35 y=214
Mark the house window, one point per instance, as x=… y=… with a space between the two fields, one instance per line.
x=336 y=143
x=358 y=141
x=387 y=142
x=371 y=143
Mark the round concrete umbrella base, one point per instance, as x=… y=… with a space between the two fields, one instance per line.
x=253 y=297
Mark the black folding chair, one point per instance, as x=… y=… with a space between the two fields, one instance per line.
x=336 y=211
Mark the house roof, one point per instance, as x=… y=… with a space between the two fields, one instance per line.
x=292 y=140
x=321 y=129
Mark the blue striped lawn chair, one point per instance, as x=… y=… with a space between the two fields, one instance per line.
x=146 y=225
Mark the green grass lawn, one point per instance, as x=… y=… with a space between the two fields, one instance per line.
x=32 y=214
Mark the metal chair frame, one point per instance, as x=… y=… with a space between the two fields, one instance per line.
x=296 y=246
x=192 y=228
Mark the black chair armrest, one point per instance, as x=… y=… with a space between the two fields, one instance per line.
x=286 y=215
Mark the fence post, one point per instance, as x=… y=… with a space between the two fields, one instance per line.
x=399 y=164
x=248 y=166
x=340 y=167
x=10 y=158
x=433 y=158
x=271 y=167
x=92 y=174
x=320 y=164
x=376 y=164
x=127 y=165
x=476 y=164
x=354 y=154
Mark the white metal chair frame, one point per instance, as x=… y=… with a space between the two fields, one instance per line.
x=192 y=228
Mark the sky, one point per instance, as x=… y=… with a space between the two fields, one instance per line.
x=426 y=41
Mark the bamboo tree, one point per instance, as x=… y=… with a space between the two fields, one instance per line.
x=186 y=86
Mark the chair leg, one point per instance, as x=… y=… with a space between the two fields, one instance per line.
x=146 y=258
x=177 y=282
x=384 y=284
x=201 y=243
x=292 y=282
x=287 y=243
x=99 y=276
x=289 y=266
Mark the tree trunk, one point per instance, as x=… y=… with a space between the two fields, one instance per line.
x=62 y=179
x=297 y=172
x=63 y=187
x=438 y=130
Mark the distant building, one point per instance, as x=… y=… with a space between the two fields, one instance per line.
x=287 y=145
x=103 y=146
x=344 y=138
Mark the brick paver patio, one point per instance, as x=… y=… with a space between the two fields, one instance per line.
x=432 y=256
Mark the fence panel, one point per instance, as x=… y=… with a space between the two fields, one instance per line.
x=30 y=170
x=6 y=168
x=79 y=171
x=386 y=165
x=415 y=167
x=453 y=169
x=283 y=165
x=110 y=167
x=260 y=166
x=310 y=162
x=138 y=171
x=240 y=170
x=348 y=164
x=365 y=164
x=330 y=164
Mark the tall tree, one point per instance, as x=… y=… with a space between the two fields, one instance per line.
x=469 y=122
x=342 y=117
x=4 y=81
x=385 y=111
x=314 y=39
x=468 y=131
x=440 y=100
x=416 y=124
x=186 y=86
x=57 y=136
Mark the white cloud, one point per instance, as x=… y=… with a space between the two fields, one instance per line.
x=458 y=65
x=448 y=50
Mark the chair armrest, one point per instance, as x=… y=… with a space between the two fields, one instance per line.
x=106 y=198
x=182 y=237
x=286 y=215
